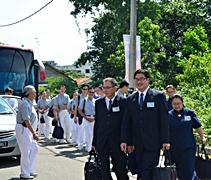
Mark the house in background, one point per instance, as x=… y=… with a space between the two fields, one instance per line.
x=85 y=69
x=51 y=71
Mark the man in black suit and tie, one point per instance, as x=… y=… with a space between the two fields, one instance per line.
x=109 y=112
x=145 y=123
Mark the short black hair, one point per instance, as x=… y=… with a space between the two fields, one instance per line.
x=178 y=96
x=84 y=85
x=123 y=83
x=96 y=85
x=8 y=90
x=142 y=71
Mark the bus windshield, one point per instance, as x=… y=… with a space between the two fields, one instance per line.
x=16 y=69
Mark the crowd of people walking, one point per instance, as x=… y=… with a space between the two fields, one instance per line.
x=136 y=127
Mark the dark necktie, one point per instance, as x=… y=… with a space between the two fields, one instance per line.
x=110 y=103
x=141 y=100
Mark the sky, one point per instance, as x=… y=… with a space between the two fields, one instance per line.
x=52 y=33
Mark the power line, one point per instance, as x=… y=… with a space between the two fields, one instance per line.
x=27 y=16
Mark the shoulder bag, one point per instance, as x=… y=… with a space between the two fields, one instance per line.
x=42 y=120
x=202 y=164
x=80 y=118
x=50 y=112
x=58 y=131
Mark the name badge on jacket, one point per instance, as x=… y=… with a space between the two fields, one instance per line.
x=187 y=118
x=150 y=104
x=115 y=109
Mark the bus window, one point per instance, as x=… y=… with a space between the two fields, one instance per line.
x=16 y=69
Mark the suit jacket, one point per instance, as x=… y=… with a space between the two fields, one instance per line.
x=107 y=126
x=147 y=127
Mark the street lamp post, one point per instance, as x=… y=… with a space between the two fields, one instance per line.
x=133 y=30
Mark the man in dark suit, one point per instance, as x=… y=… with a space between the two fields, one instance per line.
x=145 y=123
x=109 y=112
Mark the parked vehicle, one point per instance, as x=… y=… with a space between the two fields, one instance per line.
x=8 y=142
x=19 y=68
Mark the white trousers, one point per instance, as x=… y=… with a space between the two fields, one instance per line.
x=28 y=148
x=80 y=134
x=88 y=128
x=65 y=123
x=73 y=130
x=45 y=127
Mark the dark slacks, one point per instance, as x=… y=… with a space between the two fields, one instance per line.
x=119 y=161
x=149 y=161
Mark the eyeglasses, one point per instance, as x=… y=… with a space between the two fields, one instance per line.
x=176 y=104
x=85 y=89
x=108 y=87
x=140 y=79
x=91 y=92
x=170 y=92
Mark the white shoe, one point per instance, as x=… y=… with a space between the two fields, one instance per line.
x=69 y=141
x=56 y=140
x=33 y=174
x=61 y=141
x=80 y=148
x=26 y=177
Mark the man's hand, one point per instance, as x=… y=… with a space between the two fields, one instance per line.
x=130 y=149
x=166 y=146
x=123 y=147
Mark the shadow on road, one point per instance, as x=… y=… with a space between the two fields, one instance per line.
x=65 y=150
x=6 y=162
x=14 y=178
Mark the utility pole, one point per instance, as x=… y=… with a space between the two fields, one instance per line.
x=133 y=29
x=37 y=47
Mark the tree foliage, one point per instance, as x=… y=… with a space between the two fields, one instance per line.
x=55 y=83
x=73 y=74
x=175 y=44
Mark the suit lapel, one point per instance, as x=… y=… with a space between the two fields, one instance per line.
x=116 y=99
x=104 y=103
x=135 y=99
x=149 y=97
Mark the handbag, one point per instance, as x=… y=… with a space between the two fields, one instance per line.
x=80 y=118
x=50 y=112
x=58 y=131
x=54 y=123
x=92 y=169
x=166 y=172
x=42 y=120
x=202 y=165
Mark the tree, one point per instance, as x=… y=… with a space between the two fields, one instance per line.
x=55 y=83
x=73 y=74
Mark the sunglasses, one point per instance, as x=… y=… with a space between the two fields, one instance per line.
x=91 y=92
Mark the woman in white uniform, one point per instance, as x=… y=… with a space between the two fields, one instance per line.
x=61 y=102
x=26 y=134
x=88 y=117
x=71 y=107
x=46 y=126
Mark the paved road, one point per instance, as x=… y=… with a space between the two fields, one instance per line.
x=55 y=162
